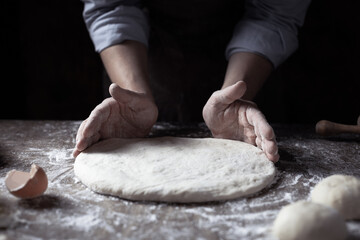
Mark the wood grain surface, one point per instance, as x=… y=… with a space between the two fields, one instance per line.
x=68 y=210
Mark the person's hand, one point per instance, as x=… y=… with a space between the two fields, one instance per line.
x=126 y=114
x=229 y=117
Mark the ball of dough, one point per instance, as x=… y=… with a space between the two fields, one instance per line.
x=309 y=221
x=340 y=192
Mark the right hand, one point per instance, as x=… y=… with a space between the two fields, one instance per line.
x=126 y=114
x=230 y=117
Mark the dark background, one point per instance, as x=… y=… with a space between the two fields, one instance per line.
x=51 y=71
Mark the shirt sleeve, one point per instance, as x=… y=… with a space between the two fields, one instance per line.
x=269 y=28
x=111 y=22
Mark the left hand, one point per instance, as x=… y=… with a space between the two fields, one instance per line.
x=126 y=114
x=230 y=117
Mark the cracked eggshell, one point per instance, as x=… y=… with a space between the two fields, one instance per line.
x=27 y=184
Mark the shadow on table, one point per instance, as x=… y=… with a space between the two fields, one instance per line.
x=4 y=160
x=45 y=202
x=344 y=137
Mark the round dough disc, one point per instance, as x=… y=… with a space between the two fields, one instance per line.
x=309 y=221
x=173 y=169
x=341 y=192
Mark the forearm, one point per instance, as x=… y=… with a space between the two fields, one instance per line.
x=126 y=65
x=250 y=68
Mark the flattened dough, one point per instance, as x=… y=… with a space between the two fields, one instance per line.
x=172 y=169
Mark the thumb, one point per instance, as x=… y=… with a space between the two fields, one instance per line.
x=231 y=93
x=120 y=94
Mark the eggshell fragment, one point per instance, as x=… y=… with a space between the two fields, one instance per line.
x=27 y=184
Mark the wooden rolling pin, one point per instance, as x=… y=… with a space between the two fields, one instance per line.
x=327 y=128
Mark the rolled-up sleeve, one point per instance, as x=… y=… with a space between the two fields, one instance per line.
x=269 y=28
x=111 y=22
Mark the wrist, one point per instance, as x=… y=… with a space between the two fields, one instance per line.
x=133 y=83
x=251 y=68
x=126 y=65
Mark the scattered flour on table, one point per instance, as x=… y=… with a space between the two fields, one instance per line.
x=80 y=209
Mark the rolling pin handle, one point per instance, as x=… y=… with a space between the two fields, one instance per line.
x=327 y=128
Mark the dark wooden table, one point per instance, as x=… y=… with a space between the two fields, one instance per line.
x=68 y=210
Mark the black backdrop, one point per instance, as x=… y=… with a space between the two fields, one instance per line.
x=50 y=69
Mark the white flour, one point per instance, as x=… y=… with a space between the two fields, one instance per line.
x=68 y=208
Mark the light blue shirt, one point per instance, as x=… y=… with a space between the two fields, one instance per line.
x=268 y=28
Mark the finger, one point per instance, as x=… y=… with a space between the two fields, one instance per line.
x=265 y=136
x=85 y=143
x=90 y=127
x=97 y=117
x=265 y=130
x=250 y=136
x=258 y=142
x=250 y=139
x=270 y=147
x=268 y=142
x=271 y=150
x=230 y=94
x=272 y=157
x=79 y=133
x=261 y=126
x=75 y=153
x=82 y=146
x=79 y=137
